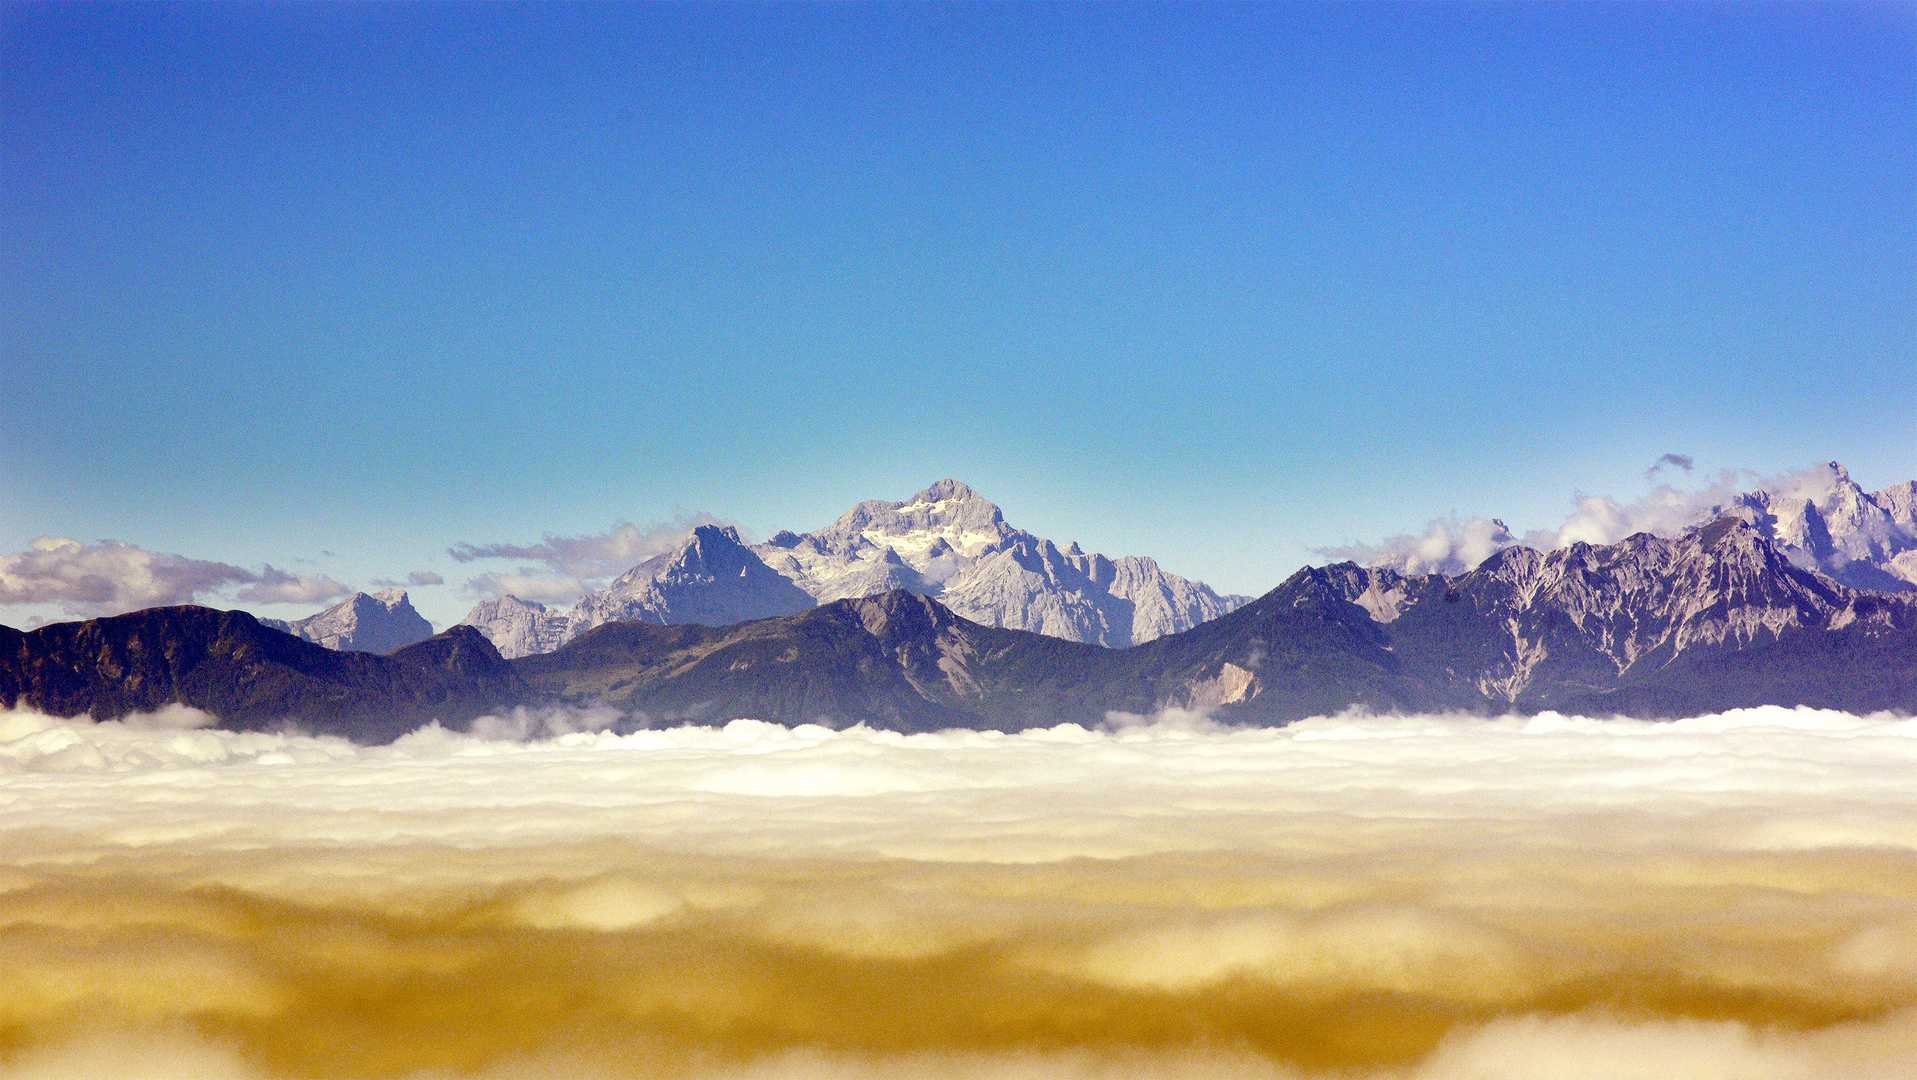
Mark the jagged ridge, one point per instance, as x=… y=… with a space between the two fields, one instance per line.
x=375 y=623
x=1647 y=627
x=947 y=541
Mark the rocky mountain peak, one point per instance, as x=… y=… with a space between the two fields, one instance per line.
x=709 y=542
x=519 y=627
x=1822 y=520
x=947 y=490
x=711 y=578
x=376 y=623
x=948 y=510
x=460 y=650
x=946 y=541
x=1730 y=533
x=899 y=613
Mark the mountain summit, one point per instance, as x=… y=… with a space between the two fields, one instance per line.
x=1825 y=521
x=376 y=623
x=947 y=541
x=711 y=578
x=1647 y=627
x=950 y=542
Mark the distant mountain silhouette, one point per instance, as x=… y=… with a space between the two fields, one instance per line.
x=250 y=675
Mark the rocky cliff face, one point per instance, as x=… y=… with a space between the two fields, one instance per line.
x=947 y=541
x=1826 y=522
x=1636 y=620
x=375 y=623
x=950 y=542
x=712 y=578
x=520 y=627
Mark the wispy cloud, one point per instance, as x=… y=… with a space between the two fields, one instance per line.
x=112 y=577
x=415 y=580
x=1452 y=546
x=1447 y=546
x=274 y=586
x=592 y=556
x=528 y=584
x=571 y=566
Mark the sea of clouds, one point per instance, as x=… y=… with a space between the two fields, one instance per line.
x=1421 y=898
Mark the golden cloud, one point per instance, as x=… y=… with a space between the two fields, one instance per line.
x=1421 y=898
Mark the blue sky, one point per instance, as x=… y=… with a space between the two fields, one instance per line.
x=333 y=287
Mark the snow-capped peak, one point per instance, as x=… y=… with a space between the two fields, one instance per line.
x=946 y=541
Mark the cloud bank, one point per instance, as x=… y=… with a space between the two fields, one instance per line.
x=1416 y=898
x=112 y=577
x=1451 y=546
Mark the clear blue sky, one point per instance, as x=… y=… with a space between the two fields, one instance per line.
x=1210 y=283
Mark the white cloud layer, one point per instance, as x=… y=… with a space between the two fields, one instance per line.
x=1416 y=898
x=112 y=577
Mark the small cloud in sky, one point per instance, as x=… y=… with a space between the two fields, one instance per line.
x=112 y=577
x=1676 y=461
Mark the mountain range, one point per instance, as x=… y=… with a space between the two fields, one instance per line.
x=1652 y=627
x=946 y=542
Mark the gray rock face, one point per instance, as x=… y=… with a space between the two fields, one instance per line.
x=947 y=541
x=712 y=579
x=376 y=623
x=520 y=627
x=1596 y=619
x=1647 y=627
x=1828 y=523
